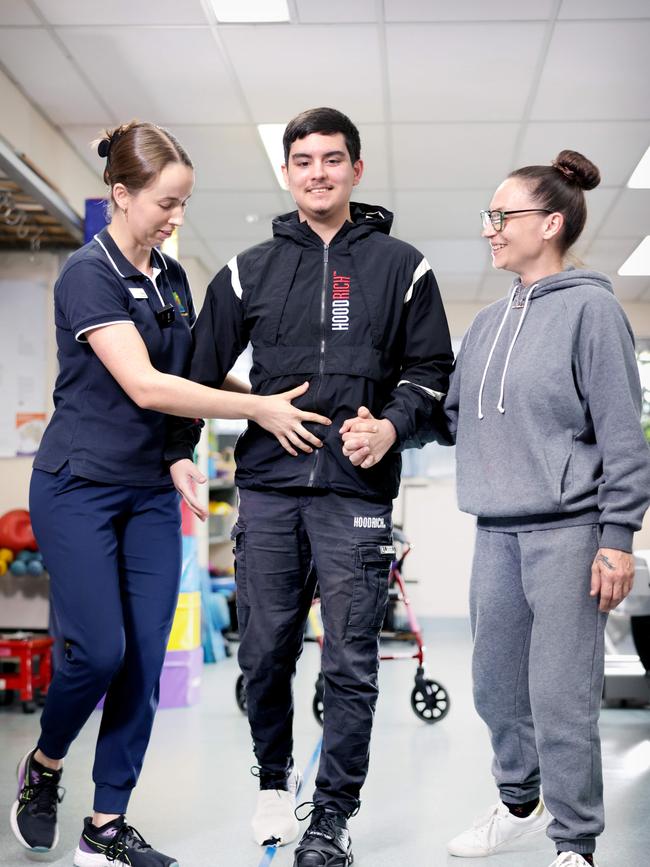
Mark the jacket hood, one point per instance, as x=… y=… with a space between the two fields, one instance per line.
x=522 y=296
x=365 y=220
x=566 y=279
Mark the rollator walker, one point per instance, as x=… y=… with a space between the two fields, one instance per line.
x=429 y=698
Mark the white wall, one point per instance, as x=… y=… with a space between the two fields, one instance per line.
x=40 y=267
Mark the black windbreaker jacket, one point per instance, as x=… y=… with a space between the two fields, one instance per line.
x=360 y=318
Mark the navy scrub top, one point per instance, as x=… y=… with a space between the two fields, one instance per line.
x=96 y=428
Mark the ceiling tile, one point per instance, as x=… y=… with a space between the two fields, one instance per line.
x=607 y=255
x=222 y=215
x=80 y=137
x=227 y=157
x=145 y=73
x=455 y=256
x=615 y=146
x=335 y=11
x=18 y=12
x=458 y=287
x=468 y=10
x=368 y=196
x=599 y=202
x=374 y=153
x=629 y=217
x=46 y=75
x=629 y=288
x=439 y=72
x=495 y=284
x=121 y=12
x=452 y=156
x=307 y=65
x=225 y=250
x=595 y=70
x=441 y=214
x=604 y=9
x=198 y=249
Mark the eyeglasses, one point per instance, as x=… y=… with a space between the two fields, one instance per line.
x=498 y=218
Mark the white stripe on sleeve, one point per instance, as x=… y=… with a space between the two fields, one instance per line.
x=234 y=270
x=420 y=271
x=437 y=395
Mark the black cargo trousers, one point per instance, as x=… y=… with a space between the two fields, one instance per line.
x=284 y=542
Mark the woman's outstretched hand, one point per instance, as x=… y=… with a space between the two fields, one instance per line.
x=185 y=476
x=280 y=417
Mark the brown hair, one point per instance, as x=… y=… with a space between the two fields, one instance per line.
x=559 y=187
x=137 y=152
x=326 y=121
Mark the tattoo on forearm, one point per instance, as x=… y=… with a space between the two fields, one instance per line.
x=606 y=561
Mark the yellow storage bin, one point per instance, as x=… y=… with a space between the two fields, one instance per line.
x=186 y=628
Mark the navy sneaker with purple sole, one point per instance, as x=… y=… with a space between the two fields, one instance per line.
x=117 y=843
x=33 y=813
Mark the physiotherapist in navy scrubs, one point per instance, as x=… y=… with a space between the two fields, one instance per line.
x=103 y=505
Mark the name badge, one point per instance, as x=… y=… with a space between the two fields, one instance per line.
x=137 y=292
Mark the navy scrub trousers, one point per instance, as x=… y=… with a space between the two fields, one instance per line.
x=114 y=557
x=284 y=539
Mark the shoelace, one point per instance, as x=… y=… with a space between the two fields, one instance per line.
x=42 y=797
x=485 y=823
x=322 y=815
x=322 y=821
x=269 y=779
x=126 y=837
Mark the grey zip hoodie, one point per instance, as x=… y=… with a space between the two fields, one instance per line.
x=544 y=403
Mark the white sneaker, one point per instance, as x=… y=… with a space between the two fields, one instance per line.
x=571 y=859
x=496 y=829
x=274 y=822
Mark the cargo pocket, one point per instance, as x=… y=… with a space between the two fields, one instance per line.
x=370 y=590
x=238 y=536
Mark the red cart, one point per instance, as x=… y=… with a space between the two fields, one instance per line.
x=31 y=663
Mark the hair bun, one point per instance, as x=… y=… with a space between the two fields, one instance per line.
x=103 y=147
x=577 y=169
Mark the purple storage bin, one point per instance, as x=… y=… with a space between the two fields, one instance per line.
x=180 y=681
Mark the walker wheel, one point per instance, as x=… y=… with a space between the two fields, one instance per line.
x=429 y=700
x=29 y=707
x=240 y=694
x=318 y=705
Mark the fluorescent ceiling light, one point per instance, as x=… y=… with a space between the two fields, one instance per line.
x=637 y=263
x=250 y=11
x=271 y=135
x=640 y=179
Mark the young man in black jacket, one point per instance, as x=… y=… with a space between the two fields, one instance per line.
x=331 y=299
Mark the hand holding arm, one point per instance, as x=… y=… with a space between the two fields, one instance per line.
x=367 y=439
x=277 y=415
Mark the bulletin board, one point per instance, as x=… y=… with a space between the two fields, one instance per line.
x=23 y=366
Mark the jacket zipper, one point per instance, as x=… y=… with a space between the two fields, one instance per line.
x=321 y=363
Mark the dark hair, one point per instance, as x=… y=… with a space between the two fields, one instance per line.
x=326 y=121
x=137 y=152
x=559 y=187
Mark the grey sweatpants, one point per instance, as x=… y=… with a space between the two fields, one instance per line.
x=538 y=672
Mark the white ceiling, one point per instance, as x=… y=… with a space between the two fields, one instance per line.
x=448 y=97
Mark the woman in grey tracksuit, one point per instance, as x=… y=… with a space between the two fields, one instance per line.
x=544 y=403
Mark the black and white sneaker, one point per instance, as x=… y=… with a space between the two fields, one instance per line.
x=33 y=813
x=326 y=843
x=274 y=822
x=116 y=843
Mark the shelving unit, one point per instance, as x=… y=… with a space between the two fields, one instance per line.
x=216 y=461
